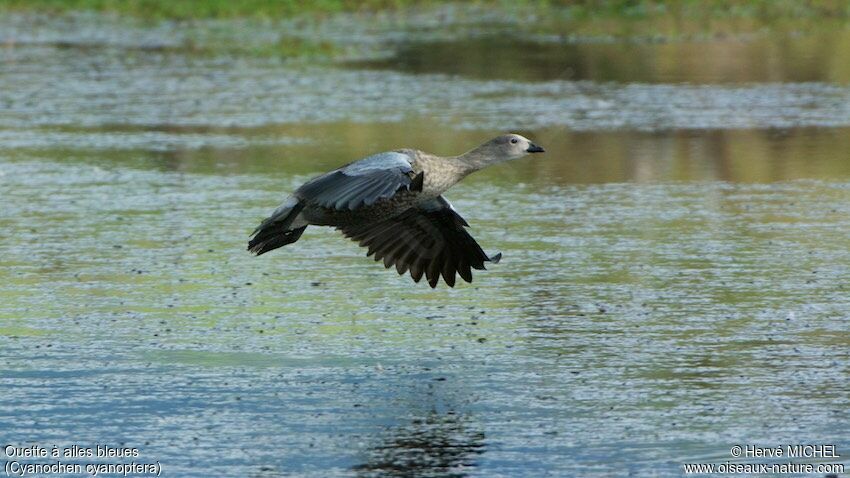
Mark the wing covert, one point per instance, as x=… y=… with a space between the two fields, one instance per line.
x=362 y=183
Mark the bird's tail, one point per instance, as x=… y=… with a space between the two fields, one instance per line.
x=276 y=230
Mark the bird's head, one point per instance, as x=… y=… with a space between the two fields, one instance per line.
x=507 y=147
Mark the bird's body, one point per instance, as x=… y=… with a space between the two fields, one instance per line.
x=442 y=175
x=392 y=203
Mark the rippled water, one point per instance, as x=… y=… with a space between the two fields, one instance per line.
x=674 y=280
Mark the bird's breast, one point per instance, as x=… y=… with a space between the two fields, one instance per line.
x=438 y=179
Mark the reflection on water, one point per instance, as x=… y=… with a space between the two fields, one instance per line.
x=57 y=92
x=777 y=57
x=751 y=156
x=434 y=445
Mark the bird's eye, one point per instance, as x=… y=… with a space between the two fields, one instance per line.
x=514 y=140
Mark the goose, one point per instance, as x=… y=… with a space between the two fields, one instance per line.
x=393 y=204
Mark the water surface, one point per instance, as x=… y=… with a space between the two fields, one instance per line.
x=674 y=280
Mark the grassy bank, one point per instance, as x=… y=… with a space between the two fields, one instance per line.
x=303 y=29
x=639 y=9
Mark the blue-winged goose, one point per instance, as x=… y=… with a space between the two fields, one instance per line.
x=392 y=203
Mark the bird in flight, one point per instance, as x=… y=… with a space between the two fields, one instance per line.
x=393 y=204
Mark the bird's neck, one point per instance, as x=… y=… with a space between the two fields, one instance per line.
x=474 y=160
x=441 y=173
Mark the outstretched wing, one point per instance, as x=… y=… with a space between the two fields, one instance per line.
x=429 y=239
x=362 y=183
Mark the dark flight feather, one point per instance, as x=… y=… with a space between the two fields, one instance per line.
x=429 y=240
x=275 y=231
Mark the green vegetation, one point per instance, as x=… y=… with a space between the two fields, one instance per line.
x=299 y=32
x=189 y=9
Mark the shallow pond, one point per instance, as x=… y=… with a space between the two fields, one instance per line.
x=675 y=275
